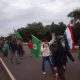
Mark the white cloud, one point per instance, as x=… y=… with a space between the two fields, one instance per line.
x=17 y=13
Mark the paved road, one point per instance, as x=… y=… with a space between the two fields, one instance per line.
x=3 y=76
x=30 y=69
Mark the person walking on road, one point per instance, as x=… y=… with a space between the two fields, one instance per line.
x=30 y=46
x=5 y=49
x=45 y=52
x=59 y=55
x=14 y=50
x=20 y=47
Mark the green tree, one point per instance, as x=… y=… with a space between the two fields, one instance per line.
x=41 y=31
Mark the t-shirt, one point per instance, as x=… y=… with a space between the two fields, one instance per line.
x=30 y=44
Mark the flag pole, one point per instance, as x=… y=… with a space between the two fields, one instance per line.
x=36 y=38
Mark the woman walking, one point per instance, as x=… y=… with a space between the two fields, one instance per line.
x=59 y=57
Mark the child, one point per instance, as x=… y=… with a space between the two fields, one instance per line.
x=5 y=49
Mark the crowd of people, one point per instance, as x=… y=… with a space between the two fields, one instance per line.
x=55 y=52
x=14 y=47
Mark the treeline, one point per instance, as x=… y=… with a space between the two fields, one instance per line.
x=41 y=31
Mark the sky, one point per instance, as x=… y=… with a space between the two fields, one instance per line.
x=15 y=14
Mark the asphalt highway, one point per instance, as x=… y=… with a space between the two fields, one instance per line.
x=30 y=68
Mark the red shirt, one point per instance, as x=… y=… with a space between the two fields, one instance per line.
x=30 y=44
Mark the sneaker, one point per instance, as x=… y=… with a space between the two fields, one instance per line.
x=44 y=73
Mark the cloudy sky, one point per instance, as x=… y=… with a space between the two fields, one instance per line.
x=18 y=13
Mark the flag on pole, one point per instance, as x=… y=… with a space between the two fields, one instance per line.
x=17 y=34
x=78 y=22
x=69 y=36
x=36 y=46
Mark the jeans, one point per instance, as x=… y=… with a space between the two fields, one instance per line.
x=5 y=53
x=44 y=59
x=61 y=73
x=15 y=54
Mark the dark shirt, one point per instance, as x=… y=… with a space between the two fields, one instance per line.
x=60 y=54
x=13 y=45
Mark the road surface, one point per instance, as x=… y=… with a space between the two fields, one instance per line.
x=30 y=68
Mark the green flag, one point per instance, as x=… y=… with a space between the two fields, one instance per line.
x=36 y=46
x=17 y=34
